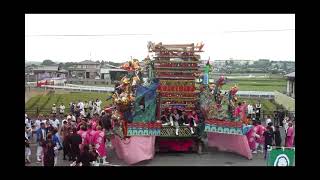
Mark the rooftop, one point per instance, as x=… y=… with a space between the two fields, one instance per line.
x=46 y=68
x=88 y=62
x=107 y=70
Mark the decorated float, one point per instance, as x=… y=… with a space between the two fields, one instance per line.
x=176 y=67
x=167 y=112
x=226 y=122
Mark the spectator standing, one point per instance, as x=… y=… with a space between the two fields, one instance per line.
x=268 y=120
x=98 y=106
x=62 y=108
x=54 y=109
x=258 y=111
x=289 y=135
x=99 y=140
x=57 y=143
x=285 y=123
x=55 y=122
x=48 y=151
x=41 y=138
x=277 y=136
x=250 y=110
x=75 y=141
x=65 y=130
x=86 y=107
x=268 y=139
x=27 y=146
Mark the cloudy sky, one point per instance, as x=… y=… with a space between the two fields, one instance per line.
x=117 y=37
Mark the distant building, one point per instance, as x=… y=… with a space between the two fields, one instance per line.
x=291 y=84
x=85 y=70
x=112 y=74
x=42 y=72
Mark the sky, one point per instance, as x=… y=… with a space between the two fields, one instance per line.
x=117 y=37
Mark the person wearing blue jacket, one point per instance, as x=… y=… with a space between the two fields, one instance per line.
x=57 y=143
x=41 y=138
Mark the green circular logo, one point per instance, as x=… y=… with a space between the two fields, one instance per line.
x=282 y=160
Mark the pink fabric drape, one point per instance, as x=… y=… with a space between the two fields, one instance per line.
x=134 y=149
x=229 y=142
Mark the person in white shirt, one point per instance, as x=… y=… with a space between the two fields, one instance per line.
x=81 y=105
x=86 y=107
x=268 y=120
x=62 y=108
x=98 y=107
x=55 y=122
x=27 y=145
x=37 y=122
x=250 y=109
x=286 y=124
x=44 y=120
x=54 y=109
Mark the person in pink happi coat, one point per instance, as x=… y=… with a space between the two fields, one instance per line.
x=95 y=122
x=90 y=134
x=290 y=135
x=83 y=133
x=260 y=129
x=243 y=111
x=99 y=140
x=251 y=136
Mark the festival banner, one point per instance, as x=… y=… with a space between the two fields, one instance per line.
x=281 y=157
x=144 y=129
x=223 y=126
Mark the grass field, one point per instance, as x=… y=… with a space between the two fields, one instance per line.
x=268 y=106
x=257 y=84
x=44 y=102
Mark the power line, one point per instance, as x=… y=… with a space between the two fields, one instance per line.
x=261 y=30
x=89 y=35
x=265 y=30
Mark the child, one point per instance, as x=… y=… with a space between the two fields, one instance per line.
x=193 y=120
x=268 y=140
x=277 y=136
x=174 y=117
x=164 y=118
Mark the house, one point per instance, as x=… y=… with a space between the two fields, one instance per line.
x=291 y=84
x=42 y=72
x=85 y=70
x=112 y=74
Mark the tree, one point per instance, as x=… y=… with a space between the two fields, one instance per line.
x=48 y=62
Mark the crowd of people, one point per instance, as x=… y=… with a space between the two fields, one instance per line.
x=81 y=135
x=261 y=137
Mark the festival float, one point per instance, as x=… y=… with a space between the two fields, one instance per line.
x=225 y=129
x=168 y=113
x=176 y=67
